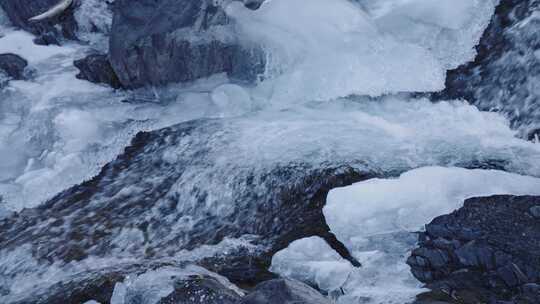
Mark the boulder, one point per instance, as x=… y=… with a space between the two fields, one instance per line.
x=197 y=289
x=488 y=249
x=49 y=30
x=504 y=74
x=153 y=43
x=284 y=291
x=13 y=66
x=96 y=68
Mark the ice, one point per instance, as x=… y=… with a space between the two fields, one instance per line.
x=412 y=200
x=325 y=49
x=312 y=260
x=94 y=19
x=448 y=28
x=375 y=219
x=150 y=287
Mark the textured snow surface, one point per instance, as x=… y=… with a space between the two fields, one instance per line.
x=374 y=219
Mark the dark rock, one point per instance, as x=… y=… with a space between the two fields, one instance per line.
x=284 y=291
x=48 y=38
x=159 y=42
x=503 y=76
x=20 y=11
x=500 y=261
x=96 y=68
x=13 y=66
x=200 y=289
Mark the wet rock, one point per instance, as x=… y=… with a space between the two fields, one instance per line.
x=284 y=291
x=20 y=11
x=502 y=78
x=13 y=66
x=48 y=38
x=200 y=289
x=96 y=68
x=190 y=39
x=491 y=250
x=149 y=204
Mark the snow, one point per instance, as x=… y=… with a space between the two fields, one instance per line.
x=375 y=219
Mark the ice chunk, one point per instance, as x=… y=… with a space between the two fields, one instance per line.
x=374 y=219
x=450 y=29
x=405 y=204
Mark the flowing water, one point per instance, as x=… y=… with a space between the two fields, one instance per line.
x=336 y=87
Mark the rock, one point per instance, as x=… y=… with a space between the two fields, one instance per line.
x=507 y=66
x=169 y=195
x=20 y=11
x=190 y=40
x=96 y=68
x=200 y=289
x=13 y=66
x=284 y=291
x=491 y=250
x=48 y=38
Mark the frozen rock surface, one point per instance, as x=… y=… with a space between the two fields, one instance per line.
x=505 y=75
x=488 y=249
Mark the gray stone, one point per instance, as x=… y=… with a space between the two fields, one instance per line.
x=13 y=65
x=503 y=257
x=155 y=42
x=96 y=68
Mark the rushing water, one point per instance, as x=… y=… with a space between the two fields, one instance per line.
x=336 y=86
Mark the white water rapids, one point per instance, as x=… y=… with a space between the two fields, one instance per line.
x=338 y=79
